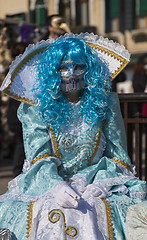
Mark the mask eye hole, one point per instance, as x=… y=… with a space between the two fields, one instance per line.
x=79 y=67
x=62 y=69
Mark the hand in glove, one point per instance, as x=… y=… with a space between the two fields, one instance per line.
x=95 y=190
x=65 y=196
x=78 y=183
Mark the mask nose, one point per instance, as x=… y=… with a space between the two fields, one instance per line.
x=73 y=84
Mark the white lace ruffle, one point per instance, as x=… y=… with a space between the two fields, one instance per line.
x=18 y=59
x=14 y=189
x=104 y=42
x=17 y=195
x=102 y=218
x=79 y=183
x=126 y=171
x=12 y=183
x=88 y=37
x=28 y=163
x=140 y=195
x=109 y=182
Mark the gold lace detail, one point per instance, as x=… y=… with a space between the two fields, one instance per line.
x=109 y=219
x=55 y=215
x=29 y=217
x=123 y=164
x=97 y=141
x=55 y=144
x=19 y=98
x=123 y=61
x=40 y=157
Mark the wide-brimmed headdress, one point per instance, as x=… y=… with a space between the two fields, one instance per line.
x=23 y=70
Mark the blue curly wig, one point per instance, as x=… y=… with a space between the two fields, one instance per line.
x=54 y=107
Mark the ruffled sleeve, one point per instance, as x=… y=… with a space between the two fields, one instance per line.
x=114 y=131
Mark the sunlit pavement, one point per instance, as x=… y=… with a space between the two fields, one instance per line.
x=5 y=174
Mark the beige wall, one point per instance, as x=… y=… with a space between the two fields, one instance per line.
x=52 y=6
x=132 y=46
x=97 y=15
x=12 y=7
x=17 y=6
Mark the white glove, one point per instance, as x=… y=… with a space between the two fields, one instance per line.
x=65 y=196
x=79 y=183
x=95 y=190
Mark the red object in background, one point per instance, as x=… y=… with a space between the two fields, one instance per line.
x=144 y=111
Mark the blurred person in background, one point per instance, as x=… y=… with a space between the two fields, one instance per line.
x=5 y=60
x=139 y=82
x=27 y=33
x=144 y=110
x=56 y=26
x=139 y=79
x=119 y=78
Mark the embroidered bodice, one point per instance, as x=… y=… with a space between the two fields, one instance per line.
x=77 y=147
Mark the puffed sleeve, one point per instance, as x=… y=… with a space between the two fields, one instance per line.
x=114 y=170
x=114 y=131
x=41 y=173
x=36 y=135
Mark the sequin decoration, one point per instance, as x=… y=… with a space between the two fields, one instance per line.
x=55 y=215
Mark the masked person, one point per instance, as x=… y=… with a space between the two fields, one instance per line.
x=77 y=181
x=56 y=27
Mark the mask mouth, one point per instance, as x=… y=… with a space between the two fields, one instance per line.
x=72 y=84
x=74 y=95
x=72 y=88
